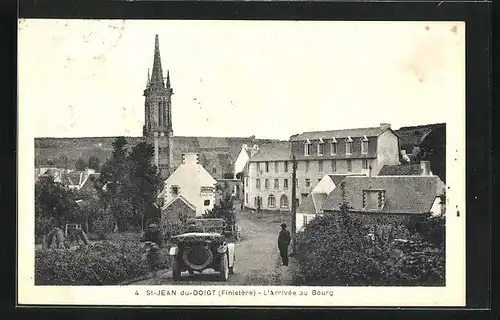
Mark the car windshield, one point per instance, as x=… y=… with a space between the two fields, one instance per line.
x=211 y=225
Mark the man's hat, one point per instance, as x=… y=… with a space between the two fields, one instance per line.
x=153 y=225
x=283 y=225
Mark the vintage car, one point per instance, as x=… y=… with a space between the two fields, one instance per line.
x=198 y=251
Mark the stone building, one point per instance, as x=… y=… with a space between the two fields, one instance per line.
x=157 y=127
x=359 y=151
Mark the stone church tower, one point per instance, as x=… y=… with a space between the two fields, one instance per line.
x=157 y=127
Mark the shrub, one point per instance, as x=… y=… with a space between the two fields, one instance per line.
x=335 y=250
x=104 y=263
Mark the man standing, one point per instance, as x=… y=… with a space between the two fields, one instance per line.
x=283 y=243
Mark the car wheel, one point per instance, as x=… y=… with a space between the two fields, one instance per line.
x=176 y=270
x=224 y=268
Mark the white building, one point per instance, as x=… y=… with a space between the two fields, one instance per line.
x=245 y=154
x=191 y=181
x=311 y=206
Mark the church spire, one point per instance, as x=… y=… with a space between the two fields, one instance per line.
x=149 y=80
x=157 y=73
x=168 y=78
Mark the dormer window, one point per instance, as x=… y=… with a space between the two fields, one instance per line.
x=321 y=147
x=373 y=200
x=307 y=148
x=348 y=146
x=333 y=147
x=364 y=145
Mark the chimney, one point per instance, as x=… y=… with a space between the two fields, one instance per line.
x=384 y=125
x=425 y=168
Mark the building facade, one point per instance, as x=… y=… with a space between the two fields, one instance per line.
x=191 y=181
x=157 y=127
x=267 y=180
x=350 y=151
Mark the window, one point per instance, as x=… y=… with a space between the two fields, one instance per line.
x=271 y=201
x=320 y=165
x=321 y=147
x=276 y=166
x=206 y=202
x=307 y=165
x=286 y=166
x=305 y=220
x=174 y=190
x=285 y=184
x=284 y=201
x=334 y=166
x=349 y=165
x=214 y=170
x=246 y=198
x=365 y=164
x=267 y=166
x=364 y=145
x=276 y=183
x=348 y=147
x=308 y=183
x=266 y=184
x=373 y=199
x=246 y=181
x=257 y=184
x=333 y=147
x=307 y=148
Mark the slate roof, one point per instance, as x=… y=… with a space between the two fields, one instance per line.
x=403 y=194
x=413 y=169
x=338 y=178
x=273 y=152
x=313 y=203
x=343 y=133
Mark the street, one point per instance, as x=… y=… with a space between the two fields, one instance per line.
x=257 y=256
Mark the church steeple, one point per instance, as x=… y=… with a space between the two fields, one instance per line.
x=168 y=78
x=148 y=82
x=157 y=72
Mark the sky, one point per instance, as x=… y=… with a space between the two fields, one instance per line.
x=271 y=79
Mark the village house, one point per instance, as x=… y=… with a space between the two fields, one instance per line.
x=384 y=200
x=312 y=205
x=267 y=178
x=359 y=151
x=191 y=181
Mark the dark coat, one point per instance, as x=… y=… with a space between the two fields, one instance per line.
x=154 y=236
x=284 y=238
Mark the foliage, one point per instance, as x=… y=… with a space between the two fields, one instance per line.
x=338 y=249
x=431 y=228
x=54 y=205
x=80 y=165
x=224 y=210
x=228 y=175
x=104 y=263
x=239 y=175
x=132 y=185
x=94 y=163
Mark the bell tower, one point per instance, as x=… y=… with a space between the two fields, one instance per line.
x=157 y=127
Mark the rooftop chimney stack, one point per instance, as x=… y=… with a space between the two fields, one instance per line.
x=425 y=168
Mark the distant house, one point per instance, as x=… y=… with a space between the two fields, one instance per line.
x=312 y=205
x=268 y=178
x=389 y=198
x=345 y=151
x=426 y=142
x=245 y=154
x=191 y=181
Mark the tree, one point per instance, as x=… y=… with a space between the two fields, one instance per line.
x=80 y=165
x=94 y=163
x=54 y=205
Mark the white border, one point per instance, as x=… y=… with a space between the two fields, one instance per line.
x=453 y=294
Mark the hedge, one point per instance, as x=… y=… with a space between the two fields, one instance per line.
x=101 y=263
x=335 y=250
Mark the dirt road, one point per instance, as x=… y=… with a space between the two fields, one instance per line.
x=257 y=257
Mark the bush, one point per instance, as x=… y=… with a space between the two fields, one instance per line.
x=104 y=263
x=336 y=250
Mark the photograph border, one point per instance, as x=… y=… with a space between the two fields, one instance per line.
x=477 y=141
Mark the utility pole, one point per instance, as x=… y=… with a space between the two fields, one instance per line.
x=294 y=202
